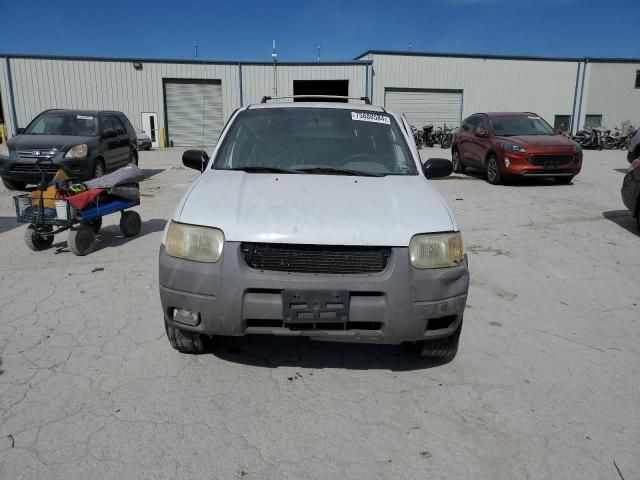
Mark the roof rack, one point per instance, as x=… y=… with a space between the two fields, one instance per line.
x=366 y=100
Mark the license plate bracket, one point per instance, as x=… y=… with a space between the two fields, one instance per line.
x=315 y=306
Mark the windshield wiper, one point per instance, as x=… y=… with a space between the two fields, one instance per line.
x=338 y=171
x=259 y=169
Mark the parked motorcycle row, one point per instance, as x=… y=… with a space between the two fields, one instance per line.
x=591 y=138
x=429 y=136
x=601 y=138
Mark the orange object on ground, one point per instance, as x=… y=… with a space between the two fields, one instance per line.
x=50 y=194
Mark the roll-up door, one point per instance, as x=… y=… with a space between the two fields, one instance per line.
x=425 y=107
x=186 y=112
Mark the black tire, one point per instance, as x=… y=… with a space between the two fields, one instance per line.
x=94 y=223
x=446 y=142
x=36 y=242
x=82 y=240
x=98 y=169
x=494 y=177
x=130 y=223
x=458 y=167
x=13 y=185
x=563 y=180
x=133 y=158
x=441 y=348
x=183 y=341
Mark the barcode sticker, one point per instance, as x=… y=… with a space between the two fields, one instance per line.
x=370 y=117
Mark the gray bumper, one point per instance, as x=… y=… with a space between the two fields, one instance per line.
x=407 y=304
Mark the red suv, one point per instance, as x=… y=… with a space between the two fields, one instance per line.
x=511 y=145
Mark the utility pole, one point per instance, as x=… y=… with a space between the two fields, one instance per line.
x=274 y=57
x=318 y=57
x=195 y=47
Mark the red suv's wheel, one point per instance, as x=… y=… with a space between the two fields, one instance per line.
x=493 y=170
x=458 y=167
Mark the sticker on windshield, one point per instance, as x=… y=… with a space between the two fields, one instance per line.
x=83 y=117
x=370 y=117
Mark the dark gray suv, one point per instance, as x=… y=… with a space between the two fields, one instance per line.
x=85 y=144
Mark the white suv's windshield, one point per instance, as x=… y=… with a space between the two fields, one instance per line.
x=524 y=125
x=315 y=140
x=63 y=123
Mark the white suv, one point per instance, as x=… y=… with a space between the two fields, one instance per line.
x=314 y=219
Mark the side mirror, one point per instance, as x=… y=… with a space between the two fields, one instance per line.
x=482 y=133
x=109 y=134
x=19 y=131
x=196 y=159
x=437 y=167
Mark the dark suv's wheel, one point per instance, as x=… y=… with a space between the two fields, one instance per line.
x=98 y=169
x=13 y=185
x=183 y=341
x=458 y=167
x=493 y=170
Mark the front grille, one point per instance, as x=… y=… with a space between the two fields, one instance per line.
x=549 y=160
x=33 y=168
x=315 y=258
x=37 y=154
x=262 y=323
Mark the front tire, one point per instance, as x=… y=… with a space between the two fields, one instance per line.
x=183 y=341
x=494 y=177
x=458 y=167
x=441 y=348
x=36 y=242
x=98 y=169
x=13 y=185
x=446 y=142
x=82 y=240
x=95 y=224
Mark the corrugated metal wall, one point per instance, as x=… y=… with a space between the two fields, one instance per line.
x=258 y=80
x=610 y=91
x=5 y=95
x=545 y=87
x=41 y=83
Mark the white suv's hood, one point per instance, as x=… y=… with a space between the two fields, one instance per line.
x=315 y=209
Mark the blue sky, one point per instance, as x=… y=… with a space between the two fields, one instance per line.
x=244 y=29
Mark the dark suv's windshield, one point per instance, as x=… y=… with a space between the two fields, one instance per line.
x=524 y=125
x=64 y=123
x=315 y=141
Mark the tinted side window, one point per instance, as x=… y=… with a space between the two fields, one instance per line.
x=471 y=124
x=107 y=125
x=117 y=123
x=127 y=125
x=481 y=124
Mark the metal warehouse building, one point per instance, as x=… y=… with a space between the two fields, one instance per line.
x=166 y=97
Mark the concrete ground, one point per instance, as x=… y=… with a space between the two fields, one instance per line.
x=545 y=384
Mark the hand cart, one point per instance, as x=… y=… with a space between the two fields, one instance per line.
x=49 y=216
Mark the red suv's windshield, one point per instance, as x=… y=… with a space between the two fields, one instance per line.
x=525 y=125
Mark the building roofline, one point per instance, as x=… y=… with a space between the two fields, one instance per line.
x=411 y=53
x=176 y=60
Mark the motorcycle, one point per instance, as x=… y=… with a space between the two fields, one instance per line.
x=444 y=136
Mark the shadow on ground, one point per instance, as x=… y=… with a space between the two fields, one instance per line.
x=111 y=236
x=271 y=352
x=624 y=219
x=151 y=172
x=8 y=223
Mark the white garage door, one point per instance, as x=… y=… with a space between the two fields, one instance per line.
x=425 y=107
x=185 y=112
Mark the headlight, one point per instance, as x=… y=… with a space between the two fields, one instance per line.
x=4 y=150
x=512 y=147
x=576 y=147
x=438 y=250
x=79 y=151
x=200 y=244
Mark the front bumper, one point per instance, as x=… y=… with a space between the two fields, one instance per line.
x=516 y=164
x=25 y=170
x=397 y=305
